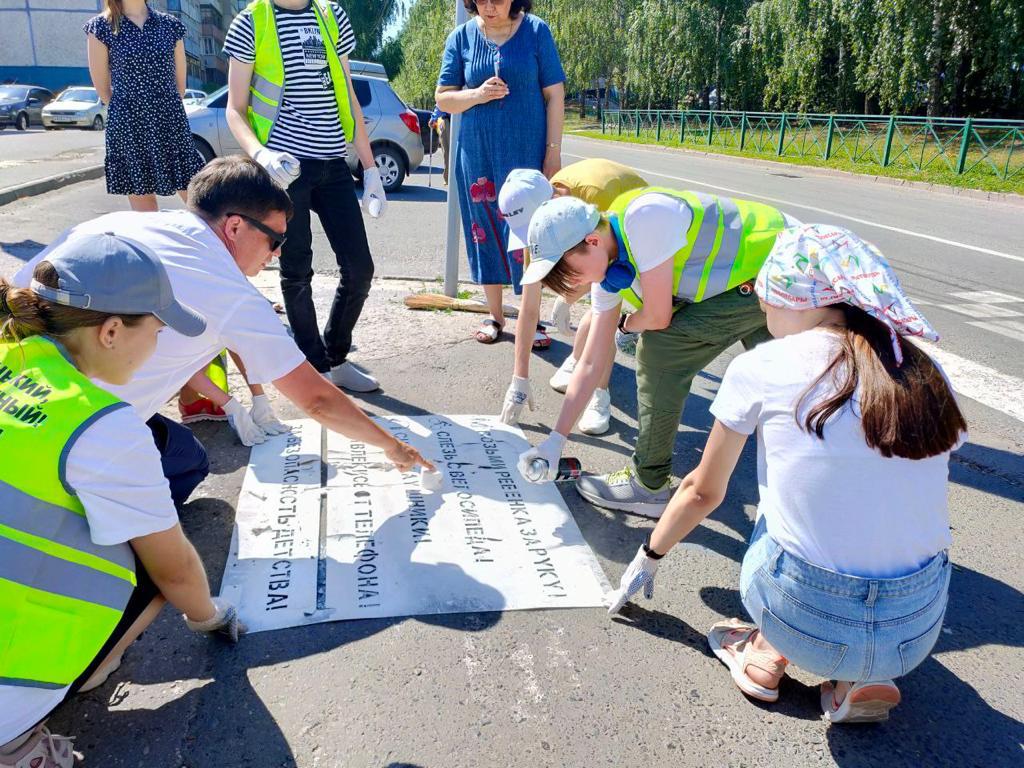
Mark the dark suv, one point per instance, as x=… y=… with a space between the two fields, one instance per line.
x=22 y=105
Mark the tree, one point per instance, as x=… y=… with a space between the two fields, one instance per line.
x=369 y=19
x=422 y=43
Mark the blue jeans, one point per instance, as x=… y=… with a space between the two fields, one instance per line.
x=182 y=457
x=843 y=627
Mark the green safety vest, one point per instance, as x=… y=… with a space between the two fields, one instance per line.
x=61 y=595
x=726 y=244
x=266 y=90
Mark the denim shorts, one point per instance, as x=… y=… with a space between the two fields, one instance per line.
x=843 y=627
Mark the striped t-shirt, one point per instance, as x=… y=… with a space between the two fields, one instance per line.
x=307 y=125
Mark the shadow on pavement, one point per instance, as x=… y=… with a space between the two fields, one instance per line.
x=23 y=250
x=418 y=194
x=982 y=611
x=989 y=470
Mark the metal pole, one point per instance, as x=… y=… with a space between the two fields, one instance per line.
x=430 y=172
x=887 y=152
x=451 y=259
x=965 y=142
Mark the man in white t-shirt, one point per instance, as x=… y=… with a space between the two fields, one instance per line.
x=686 y=261
x=234 y=226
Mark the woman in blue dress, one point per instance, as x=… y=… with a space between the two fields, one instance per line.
x=501 y=71
x=137 y=63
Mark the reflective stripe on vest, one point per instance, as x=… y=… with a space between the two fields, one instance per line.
x=61 y=595
x=267 y=86
x=726 y=243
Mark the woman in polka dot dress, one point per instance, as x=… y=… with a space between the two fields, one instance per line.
x=137 y=64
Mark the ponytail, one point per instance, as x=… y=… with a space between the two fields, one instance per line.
x=907 y=410
x=25 y=313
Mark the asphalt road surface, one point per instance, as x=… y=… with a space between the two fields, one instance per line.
x=571 y=687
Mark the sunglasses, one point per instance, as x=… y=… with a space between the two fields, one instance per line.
x=277 y=239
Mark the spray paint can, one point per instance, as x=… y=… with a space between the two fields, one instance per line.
x=568 y=469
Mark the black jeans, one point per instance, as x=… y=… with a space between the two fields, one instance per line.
x=326 y=187
x=182 y=456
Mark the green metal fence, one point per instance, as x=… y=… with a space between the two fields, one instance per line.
x=958 y=145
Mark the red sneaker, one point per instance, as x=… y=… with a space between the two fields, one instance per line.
x=201 y=410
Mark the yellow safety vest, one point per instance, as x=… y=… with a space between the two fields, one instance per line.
x=726 y=244
x=61 y=595
x=266 y=90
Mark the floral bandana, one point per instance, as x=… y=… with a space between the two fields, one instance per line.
x=816 y=265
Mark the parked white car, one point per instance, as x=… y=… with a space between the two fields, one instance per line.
x=75 y=107
x=193 y=96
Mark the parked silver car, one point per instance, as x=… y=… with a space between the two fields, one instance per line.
x=76 y=107
x=393 y=128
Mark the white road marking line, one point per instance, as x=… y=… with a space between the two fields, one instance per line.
x=1007 y=328
x=987 y=297
x=981 y=310
x=979 y=382
x=827 y=212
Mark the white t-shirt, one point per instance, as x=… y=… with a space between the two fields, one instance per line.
x=205 y=277
x=835 y=503
x=114 y=467
x=655 y=225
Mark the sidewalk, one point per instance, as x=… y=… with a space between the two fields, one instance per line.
x=37 y=161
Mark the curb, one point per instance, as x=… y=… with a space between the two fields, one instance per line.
x=50 y=183
x=1006 y=198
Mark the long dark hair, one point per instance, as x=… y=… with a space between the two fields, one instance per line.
x=906 y=410
x=517 y=5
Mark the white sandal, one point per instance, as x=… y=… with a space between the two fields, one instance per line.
x=731 y=643
x=863 y=703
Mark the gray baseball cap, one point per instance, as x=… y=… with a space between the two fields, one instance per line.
x=557 y=225
x=111 y=274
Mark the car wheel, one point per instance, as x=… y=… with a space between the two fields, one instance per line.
x=97 y=123
x=391 y=167
x=204 y=149
x=21 y=123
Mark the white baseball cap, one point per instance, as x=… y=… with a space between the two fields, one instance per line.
x=523 y=191
x=558 y=225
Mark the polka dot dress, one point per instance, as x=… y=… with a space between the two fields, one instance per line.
x=149 y=145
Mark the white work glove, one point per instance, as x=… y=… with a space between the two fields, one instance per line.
x=262 y=412
x=247 y=430
x=626 y=342
x=225 y=621
x=550 y=450
x=374 y=201
x=282 y=167
x=639 y=573
x=516 y=397
x=561 y=316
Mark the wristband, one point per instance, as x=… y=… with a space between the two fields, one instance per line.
x=650 y=552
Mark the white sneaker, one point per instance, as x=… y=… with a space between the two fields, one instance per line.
x=560 y=381
x=347 y=376
x=597 y=414
x=561 y=317
x=41 y=750
x=99 y=677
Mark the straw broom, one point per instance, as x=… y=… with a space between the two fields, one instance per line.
x=440 y=301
